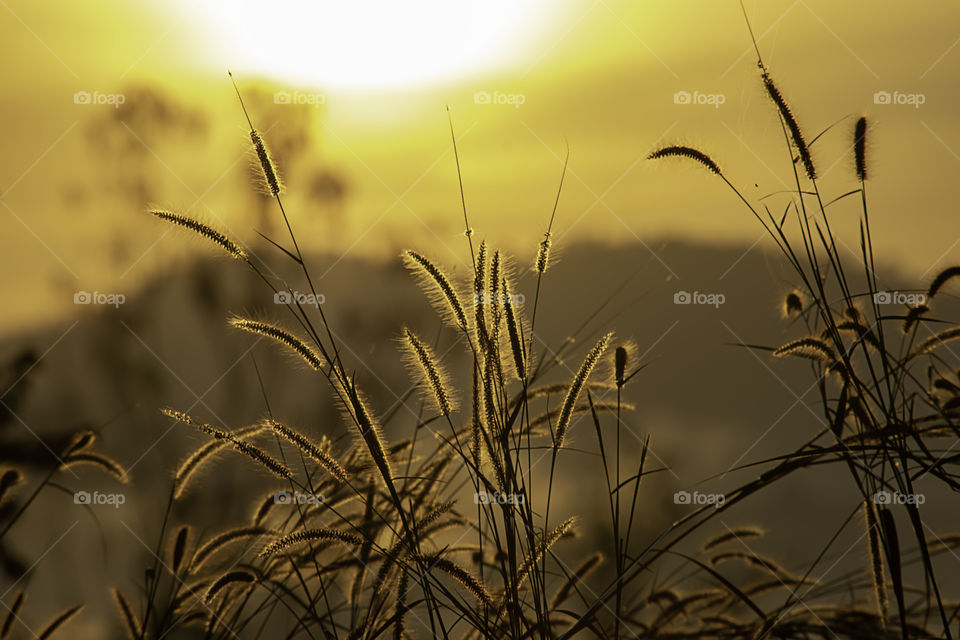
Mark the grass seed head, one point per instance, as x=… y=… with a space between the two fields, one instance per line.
x=570 y=401
x=441 y=290
x=860 y=147
x=267 y=166
x=680 y=151
x=204 y=230
x=543 y=253
x=793 y=304
x=799 y=141
x=422 y=360
x=515 y=331
x=810 y=348
x=298 y=346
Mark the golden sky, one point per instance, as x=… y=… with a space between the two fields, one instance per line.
x=523 y=79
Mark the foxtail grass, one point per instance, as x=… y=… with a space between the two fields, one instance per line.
x=441 y=289
x=576 y=386
x=284 y=337
x=316 y=452
x=796 y=134
x=860 y=148
x=679 y=151
x=204 y=230
x=433 y=378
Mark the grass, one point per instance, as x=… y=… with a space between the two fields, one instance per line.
x=381 y=539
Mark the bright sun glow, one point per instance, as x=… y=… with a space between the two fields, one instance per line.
x=369 y=43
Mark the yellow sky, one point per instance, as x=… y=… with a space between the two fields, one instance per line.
x=601 y=76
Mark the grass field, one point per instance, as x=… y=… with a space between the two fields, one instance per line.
x=487 y=426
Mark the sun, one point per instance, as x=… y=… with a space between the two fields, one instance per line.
x=368 y=44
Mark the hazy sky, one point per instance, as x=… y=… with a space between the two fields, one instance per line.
x=523 y=80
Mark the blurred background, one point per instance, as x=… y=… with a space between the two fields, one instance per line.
x=112 y=107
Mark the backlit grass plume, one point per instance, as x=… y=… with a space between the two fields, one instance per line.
x=679 y=151
x=10 y=479
x=253 y=452
x=942 y=279
x=810 y=348
x=496 y=275
x=733 y=535
x=543 y=544
x=196 y=460
x=220 y=541
x=469 y=581
x=480 y=299
x=617 y=366
x=282 y=336
x=576 y=578
x=424 y=364
x=102 y=462
x=369 y=429
x=938 y=339
x=514 y=329
x=240 y=576
x=477 y=427
x=319 y=454
x=803 y=150
x=12 y=614
x=179 y=548
x=793 y=304
x=130 y=621
x=570 y=401
x=270 y=176
x=755 y=560
x=269 y=170
x=204 y=230
x=400 y=609
x=80 y=441
x=860 y=147
x=543 y=253
x=58 y=622
x=311 y=535
x=877 y=564
x=913 y=317
x=620 y=365
x=581 y=407
x=442 y=292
